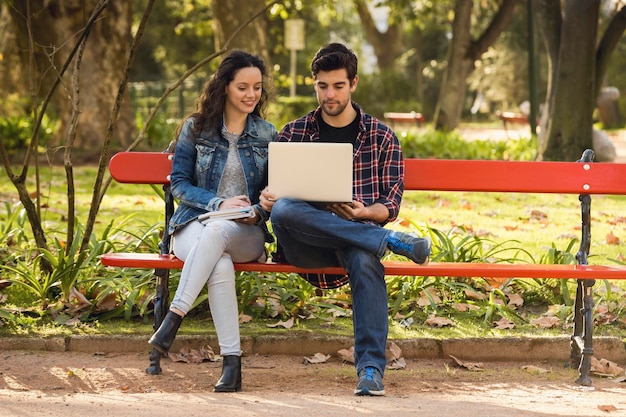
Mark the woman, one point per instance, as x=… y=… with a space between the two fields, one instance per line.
x=219 y=163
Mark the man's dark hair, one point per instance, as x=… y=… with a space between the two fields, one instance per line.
x=334 y=56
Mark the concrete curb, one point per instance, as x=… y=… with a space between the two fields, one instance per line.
x=513 y=349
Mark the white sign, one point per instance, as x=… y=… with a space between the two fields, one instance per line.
x=294 y=34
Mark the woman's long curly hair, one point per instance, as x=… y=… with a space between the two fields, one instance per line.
x=210 y=105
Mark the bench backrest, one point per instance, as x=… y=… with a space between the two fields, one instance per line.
x=436 y=174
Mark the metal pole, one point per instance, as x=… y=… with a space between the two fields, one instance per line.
x=532 y=71
x=292 y=87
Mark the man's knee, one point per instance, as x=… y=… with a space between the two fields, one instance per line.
x=282 y=210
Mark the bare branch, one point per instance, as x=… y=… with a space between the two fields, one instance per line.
x=190 y=71
x=99 y=189
x=103 y=186
x=69 y=146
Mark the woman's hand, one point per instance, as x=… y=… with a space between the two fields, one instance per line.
x=239 y=201
x=234 y=202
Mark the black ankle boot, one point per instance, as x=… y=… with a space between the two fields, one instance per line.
x=230 y=381
x=162 y=339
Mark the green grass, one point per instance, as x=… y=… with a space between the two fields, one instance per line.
x=496 y=216
x=536 y=221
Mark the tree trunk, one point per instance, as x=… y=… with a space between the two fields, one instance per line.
x=388 y=46
x=571 y=93
x=462 y=54
x=54 y=25
x=450 y=102
x=230 y=15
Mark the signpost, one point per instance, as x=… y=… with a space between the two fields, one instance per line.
x=294 y=41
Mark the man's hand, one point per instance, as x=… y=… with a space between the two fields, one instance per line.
x=352 y=211
x=267 y=200
x=358 y=211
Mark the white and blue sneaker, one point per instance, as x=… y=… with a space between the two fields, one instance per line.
x=415 y=248
x=370 y=382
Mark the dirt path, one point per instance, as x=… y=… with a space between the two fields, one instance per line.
x=73 y=384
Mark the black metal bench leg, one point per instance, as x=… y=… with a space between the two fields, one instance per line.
x=576 y=343
x=161 y=302
x=584 y=377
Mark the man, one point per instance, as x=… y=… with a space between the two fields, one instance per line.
x=350 y=235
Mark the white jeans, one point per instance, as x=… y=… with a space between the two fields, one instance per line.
x=209 y=251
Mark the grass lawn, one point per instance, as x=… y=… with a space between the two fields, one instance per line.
x=534 y=222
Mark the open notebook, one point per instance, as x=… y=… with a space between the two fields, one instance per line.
x=311 y=171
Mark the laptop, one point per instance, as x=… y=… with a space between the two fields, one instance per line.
x=311 y=171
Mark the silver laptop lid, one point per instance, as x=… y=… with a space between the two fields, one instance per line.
x=311 y=171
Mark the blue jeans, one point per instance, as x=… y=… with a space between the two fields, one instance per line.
x=311 y=238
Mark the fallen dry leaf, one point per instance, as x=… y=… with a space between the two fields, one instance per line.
x=607 y=408
x=515 y=300
x=496 y=282
x=403 y=222
x=535 y=369
x=475 y=295
x=605 y=367
x=438 y=321
x=317 y=358
x=611 y=239
x=286 y=324
x=470 y=366
x=244 y=318
x=107 y=303
x=617 y=220
x=275 y=306
x=465 y=205
x=393 y=351
x=568 y=236
x=546 y=322
x=538 y=215
x=188 y=355
x=503 y=324
x=399 y=363
x=427 y=297
x=346 y=355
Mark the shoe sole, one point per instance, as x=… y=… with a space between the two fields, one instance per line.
x=159 y=348
x=368 y=392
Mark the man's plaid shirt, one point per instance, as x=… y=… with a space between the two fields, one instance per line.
x=378 y=162
x=378 y=170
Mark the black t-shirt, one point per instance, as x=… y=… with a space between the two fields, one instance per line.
x=346 y=134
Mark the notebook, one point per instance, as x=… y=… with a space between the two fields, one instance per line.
x=228 y=214
x=311 y=171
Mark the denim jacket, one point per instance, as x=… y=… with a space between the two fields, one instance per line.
x=199 y=163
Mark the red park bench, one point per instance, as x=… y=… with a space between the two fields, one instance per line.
x=581 y=178
x=412 y=118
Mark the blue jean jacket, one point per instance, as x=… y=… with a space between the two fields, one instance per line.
x=199 y=163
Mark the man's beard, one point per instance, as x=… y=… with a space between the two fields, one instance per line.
x=336 y=110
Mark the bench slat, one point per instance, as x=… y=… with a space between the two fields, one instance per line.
x=141 y=167
x=436 y=174
x=515 y=176
x=394 y=268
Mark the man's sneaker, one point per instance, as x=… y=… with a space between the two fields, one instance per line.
x=415 y=248
x=370 y=382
